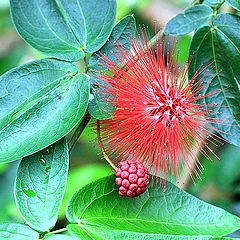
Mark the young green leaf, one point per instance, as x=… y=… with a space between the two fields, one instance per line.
x=234 y=3
x=192 y=18
x=218 y=46
x=40 y=185
x=99 y=212
x=64 y=29
x=13 y=231
x=120 y=36
x=40 y=103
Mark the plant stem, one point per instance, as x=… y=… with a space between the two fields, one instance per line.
x=103 y=149
x=79 y=131
x=186 y=175
x=59 y=231
x=156 y=38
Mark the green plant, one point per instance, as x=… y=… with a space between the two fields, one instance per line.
x=44 y=101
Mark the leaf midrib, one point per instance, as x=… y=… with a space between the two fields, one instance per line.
x=54 y=33
x=151 y=221
x=33 y=99
x=219 y=79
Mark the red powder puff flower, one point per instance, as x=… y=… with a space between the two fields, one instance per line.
x=158 y=119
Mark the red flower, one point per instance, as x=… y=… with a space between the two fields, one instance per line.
x=158 y=119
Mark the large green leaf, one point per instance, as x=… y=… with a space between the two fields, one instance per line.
x=191 y=19
x=40 y=185
x=86 y=234
x=234 y=3
x=92 y=21
x=8 y=206
x=40 y=103
x=219 y=46
x=99 y=212
x=17 y=232
x=64 y=29
x=58 y=237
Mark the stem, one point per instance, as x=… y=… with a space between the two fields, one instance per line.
x=79 y=131
x=186 y=176
x=59 y=231
x=103 y=149
x=155 y=39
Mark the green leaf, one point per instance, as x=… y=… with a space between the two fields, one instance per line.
x=40 y=185
x=234 y=3
x=211 y=3
x=101 y=213
x=92 y=21
x=64 y=29
x=58 y=237
x=120 y=36
x=86 y=234
x=17 y=232
x=9 y=210
x=219 y=47
x=40 y=103
x=99 y=106
x=192 y=18
x=81 y=233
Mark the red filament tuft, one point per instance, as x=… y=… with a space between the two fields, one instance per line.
x=158 y=119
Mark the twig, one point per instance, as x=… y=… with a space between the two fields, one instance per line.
x=103 y=149
x=79 y=131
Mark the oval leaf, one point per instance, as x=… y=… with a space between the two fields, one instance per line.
x=40 y=103
x=219 y=47
x=234 y=3
x=58 y=237
x=101 y=213
x=86 y=234
x=64 y=29
x=17 y=232
x=191 y=19
x=212 y=3
x=92 y=21
x=40 y=185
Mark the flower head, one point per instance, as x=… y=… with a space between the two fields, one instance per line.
x=158 y=119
